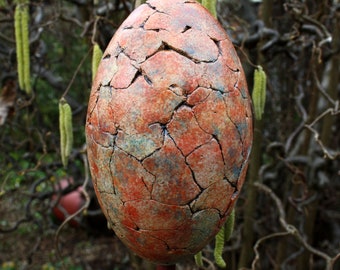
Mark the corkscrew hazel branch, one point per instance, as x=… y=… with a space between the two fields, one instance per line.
x=291 y=230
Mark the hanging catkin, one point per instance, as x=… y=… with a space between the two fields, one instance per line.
x=218 y=251
x=66 y=131
x=222 y=236
x=211 y=6
x=96 y=57
x=229 y=226
x=198 y=259
x=18 y=42
x=26 y=48
x=21 y=25
x=259 y=92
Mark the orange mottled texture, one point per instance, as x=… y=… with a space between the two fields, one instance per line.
x=169 y=130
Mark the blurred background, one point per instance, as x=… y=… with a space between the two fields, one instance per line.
x=288 y=213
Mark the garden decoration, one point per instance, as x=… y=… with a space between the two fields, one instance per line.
x=169 y=130
x=67 y=204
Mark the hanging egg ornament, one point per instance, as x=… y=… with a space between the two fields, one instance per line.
x=169 y=129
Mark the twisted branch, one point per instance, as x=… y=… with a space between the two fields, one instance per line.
x=290 y=230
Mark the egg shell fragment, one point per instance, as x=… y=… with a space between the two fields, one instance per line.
x=168 y=130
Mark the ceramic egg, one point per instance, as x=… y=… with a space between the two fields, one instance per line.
x=168 y=129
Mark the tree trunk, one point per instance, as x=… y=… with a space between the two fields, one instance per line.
x=250 y=204
x=247 y=253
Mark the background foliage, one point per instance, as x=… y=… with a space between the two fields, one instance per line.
x=288 y=213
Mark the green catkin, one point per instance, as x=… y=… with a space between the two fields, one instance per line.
x=62 y=131
x=198 y=259
x=97 y=55
x=66 y=131
x=2 y=3
x=218 y=251
x=18 y=39
x=259 y=92
x=229 y=226
x=26 y=48
x=211 y=6
x=222 y=236
x=21 y=28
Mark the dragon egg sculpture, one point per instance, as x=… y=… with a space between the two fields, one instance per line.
x=168 y=129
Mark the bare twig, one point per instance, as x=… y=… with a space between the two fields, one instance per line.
x=292 y=257
x=292 y=230
x=83 y=208
x=327 y=153
x=335 y=103
x=29 y=217
x=304 y=116
x=210 y=266
x=258 y=242
x=76 y=72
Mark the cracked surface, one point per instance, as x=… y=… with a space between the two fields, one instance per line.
x=169 y=129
